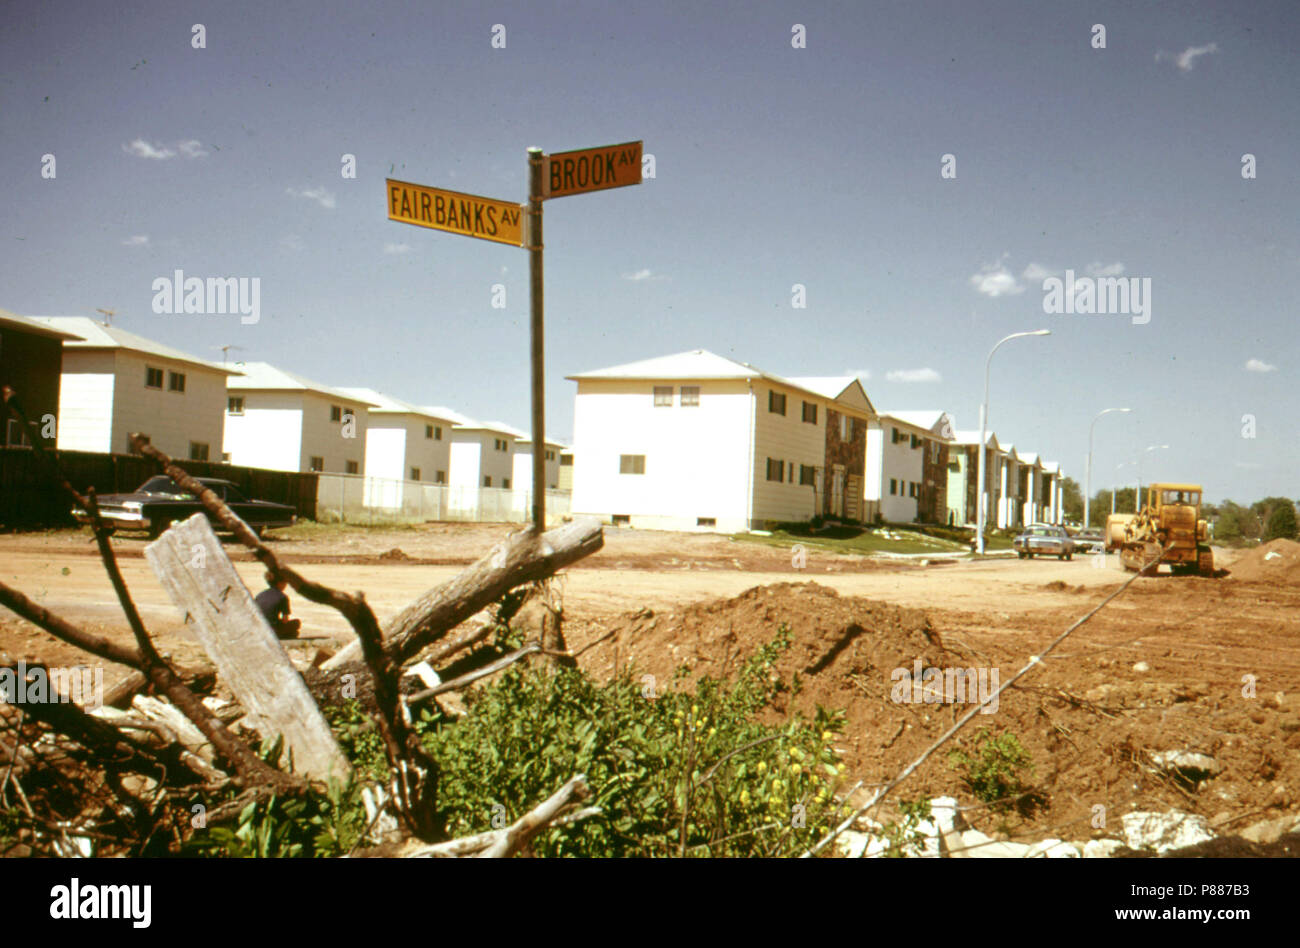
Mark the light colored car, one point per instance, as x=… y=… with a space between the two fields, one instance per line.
x=1044 y=539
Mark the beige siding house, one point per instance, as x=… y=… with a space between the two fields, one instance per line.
x=115 y=383
x=698 y=441
x=281 y=421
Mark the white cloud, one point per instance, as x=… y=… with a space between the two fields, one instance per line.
x=1186 y=60
x=996 y=280
x=137 y=240
x=913 y=375
x=142 y=149
x=638 y=276
x=1259 y=365
x=1037 y=273
x=192 y=148
x=320 y=195
x=1105 y=269
x=397 y=248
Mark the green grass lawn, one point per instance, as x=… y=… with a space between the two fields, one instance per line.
x=913 y=538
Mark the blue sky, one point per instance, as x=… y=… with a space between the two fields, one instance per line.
x=775 y=166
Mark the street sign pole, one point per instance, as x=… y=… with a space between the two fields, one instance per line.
x=536 y=185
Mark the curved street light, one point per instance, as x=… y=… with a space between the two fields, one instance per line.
x=984 y=411
x=1087 y=477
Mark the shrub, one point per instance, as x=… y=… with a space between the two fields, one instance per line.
x=693 y=772
x=993 y=773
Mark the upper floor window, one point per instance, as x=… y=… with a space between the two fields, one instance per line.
x=631 y=463
x=176 y=381
x=235 y=405
x=353 y=467
x=690 y=396
x=810 y=412
x=153 y=378
x=776 y=402
x=336 y=413
x=663 y=396
x=316 y=463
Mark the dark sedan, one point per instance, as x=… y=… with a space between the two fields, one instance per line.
x=159 y=502
x=1044 y=539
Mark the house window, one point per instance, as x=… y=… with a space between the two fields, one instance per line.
x=505 y=483
x=846 y=427
x=153 y=378
x=915 y=441
x=316 y=464
x=176 y=381
x=235 y=405
x=807 y=474
x=198 y=451
x=893 y=486
x=550 y=455
x=500 y=445
x=631 y=463
x=621 y=520
x=352 y=467
x=225 y=457
x=690 y=396
x=776 y=403
x=663 y=396
x=17 y=435
x=440 y=477
x=893 y=438
x=810 y=412
x=706 y=521
x=775 y=470
x=487 y=480
x=415 y=473
x=566 y=460
x=336 y=413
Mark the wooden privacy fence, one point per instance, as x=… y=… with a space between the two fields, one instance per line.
x=29 y=498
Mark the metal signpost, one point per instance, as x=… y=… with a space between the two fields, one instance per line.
x=558 y=175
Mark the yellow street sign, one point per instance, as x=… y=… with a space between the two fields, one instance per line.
x=466 y=214
x=593 y=169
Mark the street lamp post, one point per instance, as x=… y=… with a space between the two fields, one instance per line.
x=1087 y=477
x=1137 y=501
x=984 y=411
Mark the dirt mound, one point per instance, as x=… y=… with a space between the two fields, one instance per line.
x=1091 y=724
x=1277 y=561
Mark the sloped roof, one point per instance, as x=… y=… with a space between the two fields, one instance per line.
x=973 y=437
x=26 y=324
x=462 y=422
x=264 y=377
x=925 y=420
x=381 y=404
x=846 y=389
x=1051 y=467
x=1030 y=459
x=702 y=364
x=92 y=334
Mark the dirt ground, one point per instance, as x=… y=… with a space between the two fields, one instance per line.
x=1169 y=665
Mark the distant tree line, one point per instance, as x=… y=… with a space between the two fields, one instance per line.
x=1264 y=520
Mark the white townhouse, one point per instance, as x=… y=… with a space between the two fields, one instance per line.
x=278 y=420
x=482 y=452
x=114 y=383
x=1014 y=484
x=963 y=478
x=523 y=457
x=1052 y=494
x=907 y=466
x=698 y=441
x=404 y=442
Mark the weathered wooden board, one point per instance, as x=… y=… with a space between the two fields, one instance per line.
x=191 y=565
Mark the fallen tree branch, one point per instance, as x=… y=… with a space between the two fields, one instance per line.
x=516 y=835
x=470 y=677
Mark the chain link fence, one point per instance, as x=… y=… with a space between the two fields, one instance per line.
x=355 y=498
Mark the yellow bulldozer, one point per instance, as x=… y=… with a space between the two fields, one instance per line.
x=1168 y=529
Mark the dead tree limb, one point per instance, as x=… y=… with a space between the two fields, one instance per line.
x=414 y=771
x=516 y=835
x=468 y=845
x=469 y=678
x=523 y=558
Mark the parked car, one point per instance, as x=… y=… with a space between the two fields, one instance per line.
x=1089 y=541
x=1044 y=539
x=159 y=502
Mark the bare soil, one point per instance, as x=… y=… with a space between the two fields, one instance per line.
x=1089 y=716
